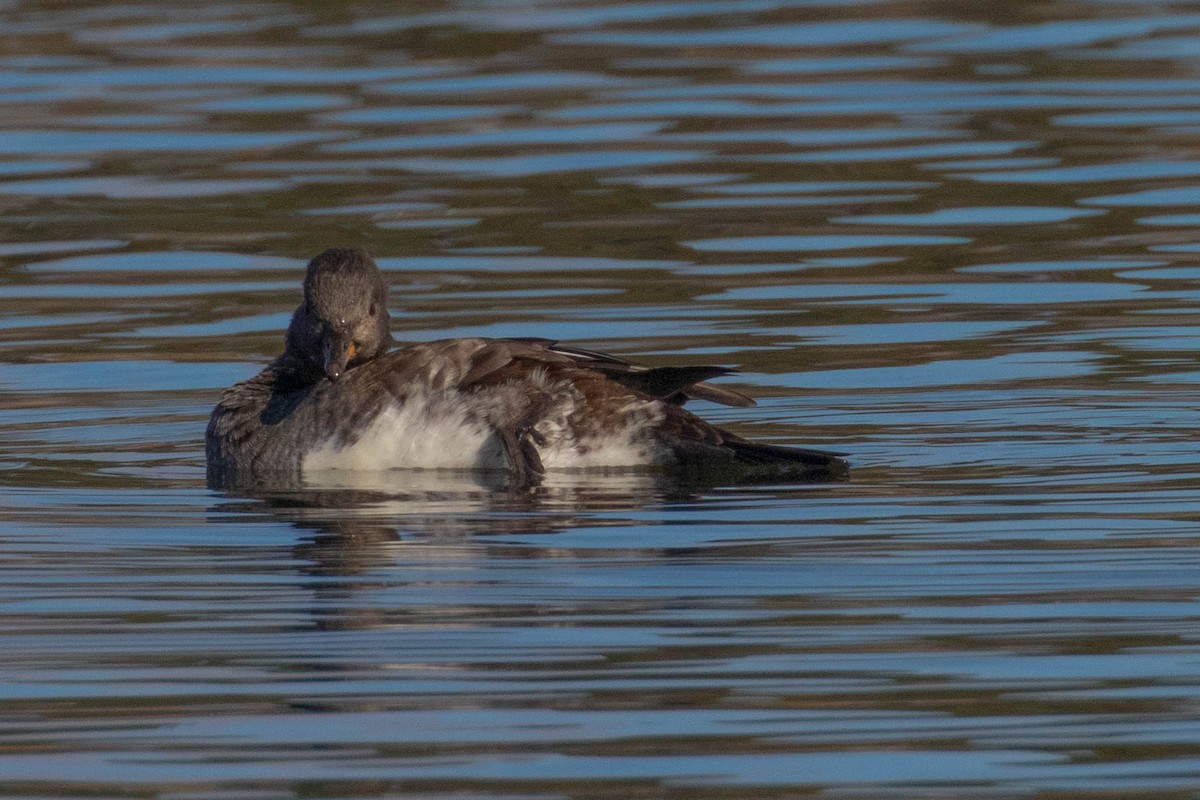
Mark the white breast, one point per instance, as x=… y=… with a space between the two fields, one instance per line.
x=439 y=430
x=417 y=434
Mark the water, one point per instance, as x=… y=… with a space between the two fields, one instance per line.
x=957 y=242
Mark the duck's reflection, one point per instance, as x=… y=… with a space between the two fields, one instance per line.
x=352 y=522
x=361 y=532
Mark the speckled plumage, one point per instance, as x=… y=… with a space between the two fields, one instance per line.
x=339 y=399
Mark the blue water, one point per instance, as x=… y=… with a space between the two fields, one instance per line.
x=957 y=243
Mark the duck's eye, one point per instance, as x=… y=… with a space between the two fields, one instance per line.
x=372 y=310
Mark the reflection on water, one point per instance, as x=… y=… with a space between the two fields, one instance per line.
x=955 y=241
x=346 y=508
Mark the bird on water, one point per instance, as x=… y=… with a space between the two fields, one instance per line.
x=340 y=398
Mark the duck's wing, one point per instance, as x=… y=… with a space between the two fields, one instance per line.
x=673 y=384
x=474 y=366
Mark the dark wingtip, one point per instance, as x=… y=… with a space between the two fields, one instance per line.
x=760 y=453
x=678 y=384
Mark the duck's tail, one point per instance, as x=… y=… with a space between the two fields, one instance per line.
x=794 y=462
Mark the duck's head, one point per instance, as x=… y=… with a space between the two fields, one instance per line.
x=343 y=320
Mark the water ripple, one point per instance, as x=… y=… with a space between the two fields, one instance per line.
x=801 y=243
x=999 y=602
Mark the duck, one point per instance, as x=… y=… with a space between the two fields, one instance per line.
x=341 y=397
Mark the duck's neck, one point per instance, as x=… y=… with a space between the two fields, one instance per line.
x=290 y=373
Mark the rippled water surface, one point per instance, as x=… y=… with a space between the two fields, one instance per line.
x=958 y=241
